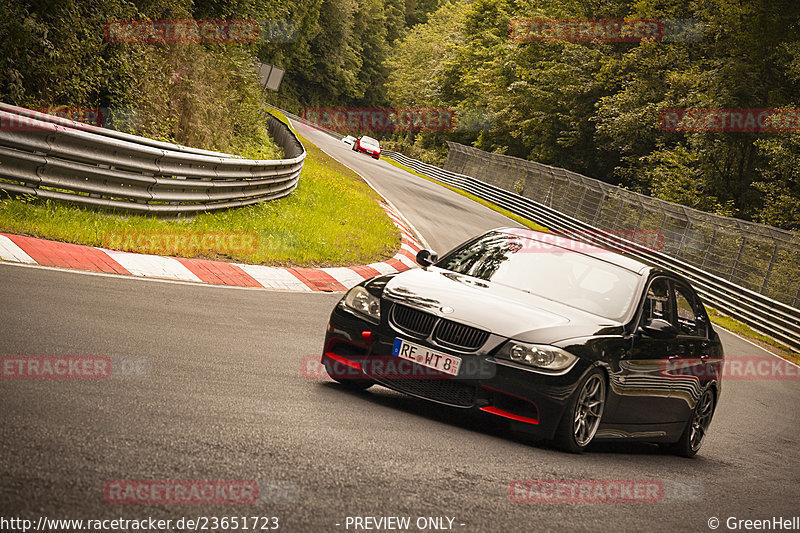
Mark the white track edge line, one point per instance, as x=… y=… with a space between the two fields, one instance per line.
x=389 y=203
x=159 y=280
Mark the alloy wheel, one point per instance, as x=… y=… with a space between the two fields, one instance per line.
x=589 y=409
x=701 y=420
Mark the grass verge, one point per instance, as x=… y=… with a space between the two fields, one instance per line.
x=743 y=330
x=332 y=218
x=505 y=212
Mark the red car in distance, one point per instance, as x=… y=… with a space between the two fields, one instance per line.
x=369 y=146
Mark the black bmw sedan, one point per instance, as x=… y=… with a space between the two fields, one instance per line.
x=570 y=342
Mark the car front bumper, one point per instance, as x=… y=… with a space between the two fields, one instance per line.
x=357 y=348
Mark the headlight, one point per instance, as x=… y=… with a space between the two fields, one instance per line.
x=361 y=301
x=537 y=355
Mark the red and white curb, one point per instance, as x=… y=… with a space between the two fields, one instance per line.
x=33 y=251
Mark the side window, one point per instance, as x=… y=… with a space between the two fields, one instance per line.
x=689 y=310
x=657 y=303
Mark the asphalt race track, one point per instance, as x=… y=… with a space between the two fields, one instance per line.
x=221 y=394
x=445 y=219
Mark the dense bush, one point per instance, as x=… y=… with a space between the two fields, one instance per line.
x=205 y=95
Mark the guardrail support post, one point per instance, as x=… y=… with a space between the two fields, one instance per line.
x=769 y=269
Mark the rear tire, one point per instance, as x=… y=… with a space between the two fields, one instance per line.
x=693 y=436
x=582 y=417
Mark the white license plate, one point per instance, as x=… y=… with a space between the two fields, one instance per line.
x=421 y=355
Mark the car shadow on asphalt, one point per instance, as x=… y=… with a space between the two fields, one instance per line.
x=485 y=424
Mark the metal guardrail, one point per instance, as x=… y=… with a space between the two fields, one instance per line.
x=764 y=314
x=51 y=157
x=755 y=256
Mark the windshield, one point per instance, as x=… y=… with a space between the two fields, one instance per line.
x=369 y=140
x=576 y=279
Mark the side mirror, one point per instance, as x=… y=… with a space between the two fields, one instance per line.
x=658 y=328
x=426 y=258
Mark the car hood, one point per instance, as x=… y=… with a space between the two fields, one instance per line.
x=370 y=146
x=491 y=306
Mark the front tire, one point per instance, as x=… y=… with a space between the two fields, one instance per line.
x=692 y=438
x=582 y=417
